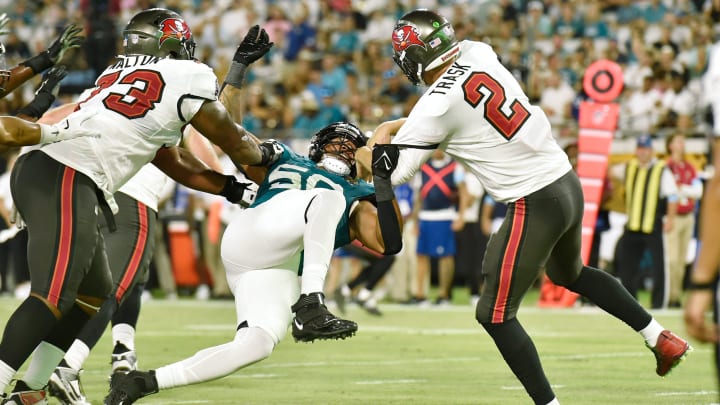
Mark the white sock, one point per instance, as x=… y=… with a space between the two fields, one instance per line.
x=125 y=334
x=6 y=375
x=42 y=364
x=364 y=294
x=76 y=354
x=651 y=332
x=554 y=402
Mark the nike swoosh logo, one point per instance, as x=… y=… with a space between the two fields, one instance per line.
x=298 y=325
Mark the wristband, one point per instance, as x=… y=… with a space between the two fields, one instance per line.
x=235 y=75
x=707 y=286
x=39 y=62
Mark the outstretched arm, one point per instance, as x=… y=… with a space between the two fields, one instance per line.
x=182 y=166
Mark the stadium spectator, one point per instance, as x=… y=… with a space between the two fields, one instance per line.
x=678 y=238
x=651 y=197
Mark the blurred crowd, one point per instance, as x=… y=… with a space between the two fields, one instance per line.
x=332 y=61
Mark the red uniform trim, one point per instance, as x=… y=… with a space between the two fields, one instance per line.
x=62 y=260
x=437 y=178
x=510 y=261
x=137 y=254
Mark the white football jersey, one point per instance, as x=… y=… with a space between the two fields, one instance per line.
x=479 y=114
x=139 y=104
x=146 y=186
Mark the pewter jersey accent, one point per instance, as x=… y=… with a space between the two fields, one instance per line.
x=140 y=104
x=479 y=114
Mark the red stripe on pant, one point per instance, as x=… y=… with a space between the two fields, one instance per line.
x=65 y=243
x=509 y=261
x=137 y=253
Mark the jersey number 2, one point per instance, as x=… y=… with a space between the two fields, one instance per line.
x=507 y=124
x=146 y=90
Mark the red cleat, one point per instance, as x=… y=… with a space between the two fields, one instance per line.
x=669 y=351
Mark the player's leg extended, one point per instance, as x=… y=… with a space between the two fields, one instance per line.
x=565 y=268
x=263 y=298
x=58 y=205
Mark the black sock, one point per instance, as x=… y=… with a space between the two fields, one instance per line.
x=129 y=310
x=27 y=327
x=95 y=327
x=520 y=354
x=607 y=293
x=65 y=331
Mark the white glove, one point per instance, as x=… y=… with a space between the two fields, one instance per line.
x=69 y=128
x=15 y=218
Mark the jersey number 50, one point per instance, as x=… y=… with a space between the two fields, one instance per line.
x=507 y=124
x=146 y=89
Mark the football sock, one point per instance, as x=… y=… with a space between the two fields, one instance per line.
x=521 y=355
x=124 y=334
x=129 y=311
x=607 y=293
x=251 y=344
x=76 y=355
x=364 y=294
x=321 y=218
x=63 y=334
x=651 y=332
x=27 y=327
x=554 y=402
x=96 y=326
x=42 y=363
x=6 y=375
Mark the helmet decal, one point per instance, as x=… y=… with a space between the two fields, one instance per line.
x=406 y=36
x=174 y=28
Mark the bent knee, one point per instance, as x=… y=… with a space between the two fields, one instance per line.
x=262 y=343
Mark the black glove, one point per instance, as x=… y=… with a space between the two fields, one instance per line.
x=69 y=38
x=239 y=192
x=253 y=47
x=271 y=152
x=46 y=94
x=384 y=160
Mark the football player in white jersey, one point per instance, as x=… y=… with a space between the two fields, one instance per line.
x=135 y=114
x=475 y=110
x=130 y=251
x=321 y=206
x=703 y=295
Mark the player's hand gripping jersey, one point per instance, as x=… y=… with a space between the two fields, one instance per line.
x=139 y=104
x=479 y=114
x=293 y=171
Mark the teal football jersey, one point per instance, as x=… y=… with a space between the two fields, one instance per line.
x=293 y=171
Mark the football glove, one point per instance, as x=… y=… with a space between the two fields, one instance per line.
x=237 y=192
x=253 y=47
x=69 y=38
x=69 y=128
x=271 y=151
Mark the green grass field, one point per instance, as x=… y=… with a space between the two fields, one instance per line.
x=413 y=356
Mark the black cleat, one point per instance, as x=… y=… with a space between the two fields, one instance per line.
x=314 y=321
x=126 y=388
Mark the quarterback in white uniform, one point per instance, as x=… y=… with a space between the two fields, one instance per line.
x=137 y=110
x=476 y=111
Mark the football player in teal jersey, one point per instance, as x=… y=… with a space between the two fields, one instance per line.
x=305 y=208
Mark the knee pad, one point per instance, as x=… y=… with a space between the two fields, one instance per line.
x=255 y=342
x=89 y=305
